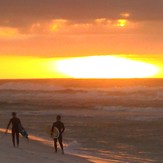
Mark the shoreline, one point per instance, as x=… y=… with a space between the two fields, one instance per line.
x=33 y=151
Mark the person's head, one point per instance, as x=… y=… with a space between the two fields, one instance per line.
x=14 y=114
x=58 y=117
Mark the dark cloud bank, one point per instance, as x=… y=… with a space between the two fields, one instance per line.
x=23 y=12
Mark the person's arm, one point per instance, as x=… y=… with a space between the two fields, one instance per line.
x=52 y=129
x=20 y=125
x=8 y=126
x=63 y=129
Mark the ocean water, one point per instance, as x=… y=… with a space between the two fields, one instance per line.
x=119 y=120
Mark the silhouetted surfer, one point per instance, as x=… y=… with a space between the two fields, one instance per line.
x=15 y=128
x=60 y=126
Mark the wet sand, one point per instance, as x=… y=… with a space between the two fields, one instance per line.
x=114 y=137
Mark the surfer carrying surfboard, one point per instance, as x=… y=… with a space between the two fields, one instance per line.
x=56 y=132
x=15 y=128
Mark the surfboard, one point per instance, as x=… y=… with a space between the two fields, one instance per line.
x=23 y=132
x=55 y=133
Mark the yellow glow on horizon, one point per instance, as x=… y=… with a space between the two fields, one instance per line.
x=28 y=67
x=17 y=67
x=106 y=67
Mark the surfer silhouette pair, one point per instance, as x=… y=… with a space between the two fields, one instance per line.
x=56 y=131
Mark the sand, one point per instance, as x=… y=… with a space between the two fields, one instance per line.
x=33 y=151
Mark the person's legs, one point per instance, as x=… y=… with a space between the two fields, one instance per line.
x=55 y=144
x=17 y=138
x=13 y=138
x=60 y=142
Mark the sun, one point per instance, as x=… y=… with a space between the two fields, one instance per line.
x=105 y=67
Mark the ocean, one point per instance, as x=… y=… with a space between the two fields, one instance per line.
x=119 y=120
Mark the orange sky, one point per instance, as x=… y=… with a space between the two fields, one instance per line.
x=36 y=34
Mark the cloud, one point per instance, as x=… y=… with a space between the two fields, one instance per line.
x=63 y=38
x=20 y=13
x=8 y=32
x=80 y=27
x=66 y=27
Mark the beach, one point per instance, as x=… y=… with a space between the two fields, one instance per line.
x=106 y=121
x=128 y=141
x=88 y=73
x=33 y=151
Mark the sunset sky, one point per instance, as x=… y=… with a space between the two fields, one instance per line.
x=52 y=38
